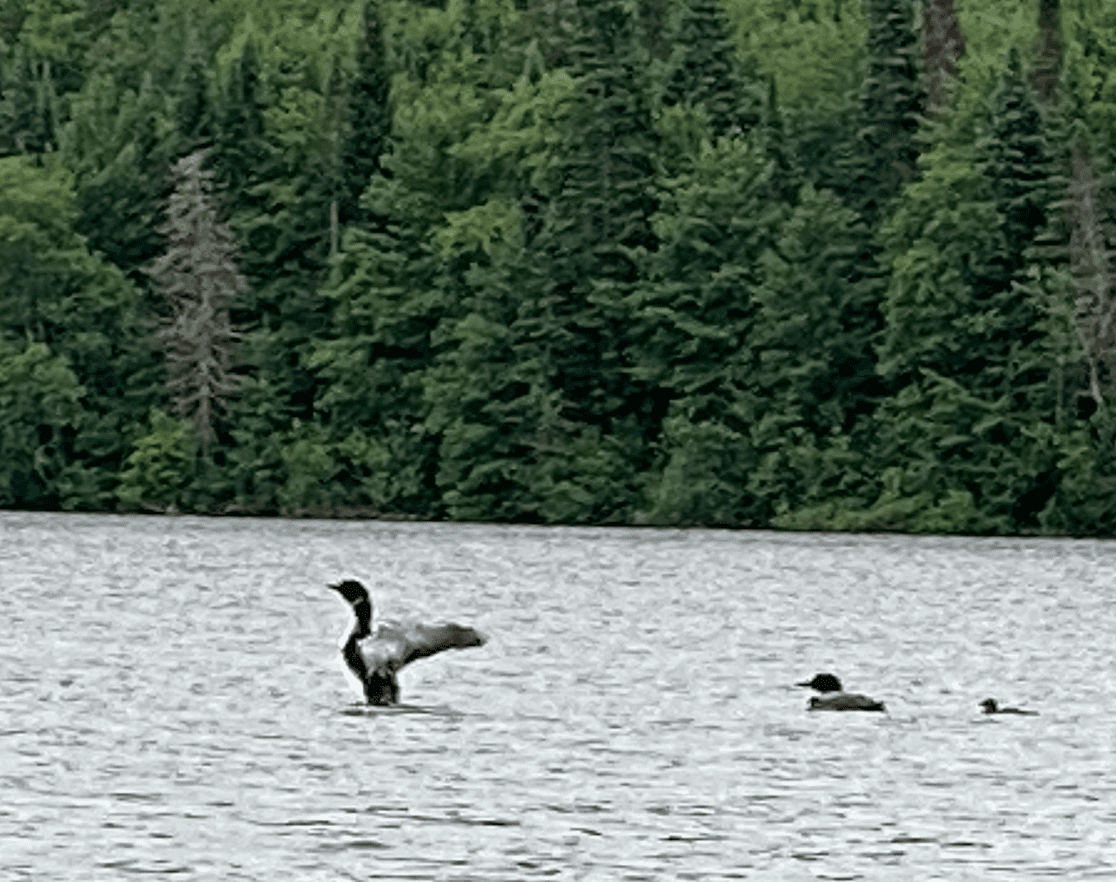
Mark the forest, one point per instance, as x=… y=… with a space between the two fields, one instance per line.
x=796 y=264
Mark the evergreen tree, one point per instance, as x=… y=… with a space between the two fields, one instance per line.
x=240 y=147
x=71 y=369
x=1048 y=50
x=693 y=323
x=815 y=376
x=596 y=221
x=587 y=258
x=1018 y=164
x=368 y=117
x=192 y=111
x=891 y=103
x=967 y=441
x=704 y=72
x=199 y=278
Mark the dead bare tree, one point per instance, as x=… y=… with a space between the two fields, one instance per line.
x=943 y=44
x=199 y=277
x=1091 y=266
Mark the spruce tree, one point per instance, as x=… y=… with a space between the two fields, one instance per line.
x=891 y=103
x=192 y=110
x=1048 y=51
x=693 y=322
x=367 y=117
x=574 y=420
x=596 y=223
x=966 y=439
x=240 y=147
x=704 y=70
x=1018 y=165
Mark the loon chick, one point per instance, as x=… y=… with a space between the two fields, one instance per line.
x=990 y=707
x=834 y=698
x=375 y=654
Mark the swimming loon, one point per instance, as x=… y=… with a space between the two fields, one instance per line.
x=833 y=698
x=376 y=652
x=990 y=707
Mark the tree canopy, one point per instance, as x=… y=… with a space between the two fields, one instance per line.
x=827 y=264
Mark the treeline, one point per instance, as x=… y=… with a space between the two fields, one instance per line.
x=822 y=264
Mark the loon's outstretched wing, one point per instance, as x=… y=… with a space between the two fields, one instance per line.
x=393 y=646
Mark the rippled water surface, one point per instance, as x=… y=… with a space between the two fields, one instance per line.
x=173 y=702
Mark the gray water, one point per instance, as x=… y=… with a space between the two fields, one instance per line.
x=173 y=703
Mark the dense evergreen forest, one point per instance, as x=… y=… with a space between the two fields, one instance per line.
x=824 y=264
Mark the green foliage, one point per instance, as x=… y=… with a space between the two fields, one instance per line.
x=161 y=469
x=892 y=100
x=777 y=35
x=816 y=334
x=703 y=70
x=368 y=116
x=562 y=262
x=967 y=342
x=40 y=414
x=54 y=293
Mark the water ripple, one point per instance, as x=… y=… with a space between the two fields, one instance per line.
x=174 y=704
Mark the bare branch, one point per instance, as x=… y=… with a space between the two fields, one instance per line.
x=199 y=278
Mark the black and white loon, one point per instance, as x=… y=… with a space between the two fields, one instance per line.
x=376 y=652
x=834 y=698
x=990 y=707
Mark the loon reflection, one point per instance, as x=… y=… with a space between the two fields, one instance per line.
x=834 y=698
x=375 y=652
x=990 y=707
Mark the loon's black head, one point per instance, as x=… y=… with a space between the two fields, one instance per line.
x=357 y=596
x=351 y=590
x=823 y=683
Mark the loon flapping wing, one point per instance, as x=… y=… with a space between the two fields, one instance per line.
x=375 y=653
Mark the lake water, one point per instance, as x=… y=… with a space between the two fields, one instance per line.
x=173 y=703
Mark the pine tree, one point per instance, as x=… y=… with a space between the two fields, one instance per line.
x=596 y=223
x=192 y=111
x=704 y=71
x=1018 y=164
x=240 y=148
x=1048 y=51
x=966 y=440
x=562 y=432
x=692 y=323
x=368 y=118
x=199 y=278
x=891 y=103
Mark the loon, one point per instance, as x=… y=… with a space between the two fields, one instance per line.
x=374 y=653
x=833 y=698
x=990 y=707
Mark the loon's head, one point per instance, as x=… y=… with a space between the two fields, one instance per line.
x=357 y=596
x=991 y=707
x=823 y=683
